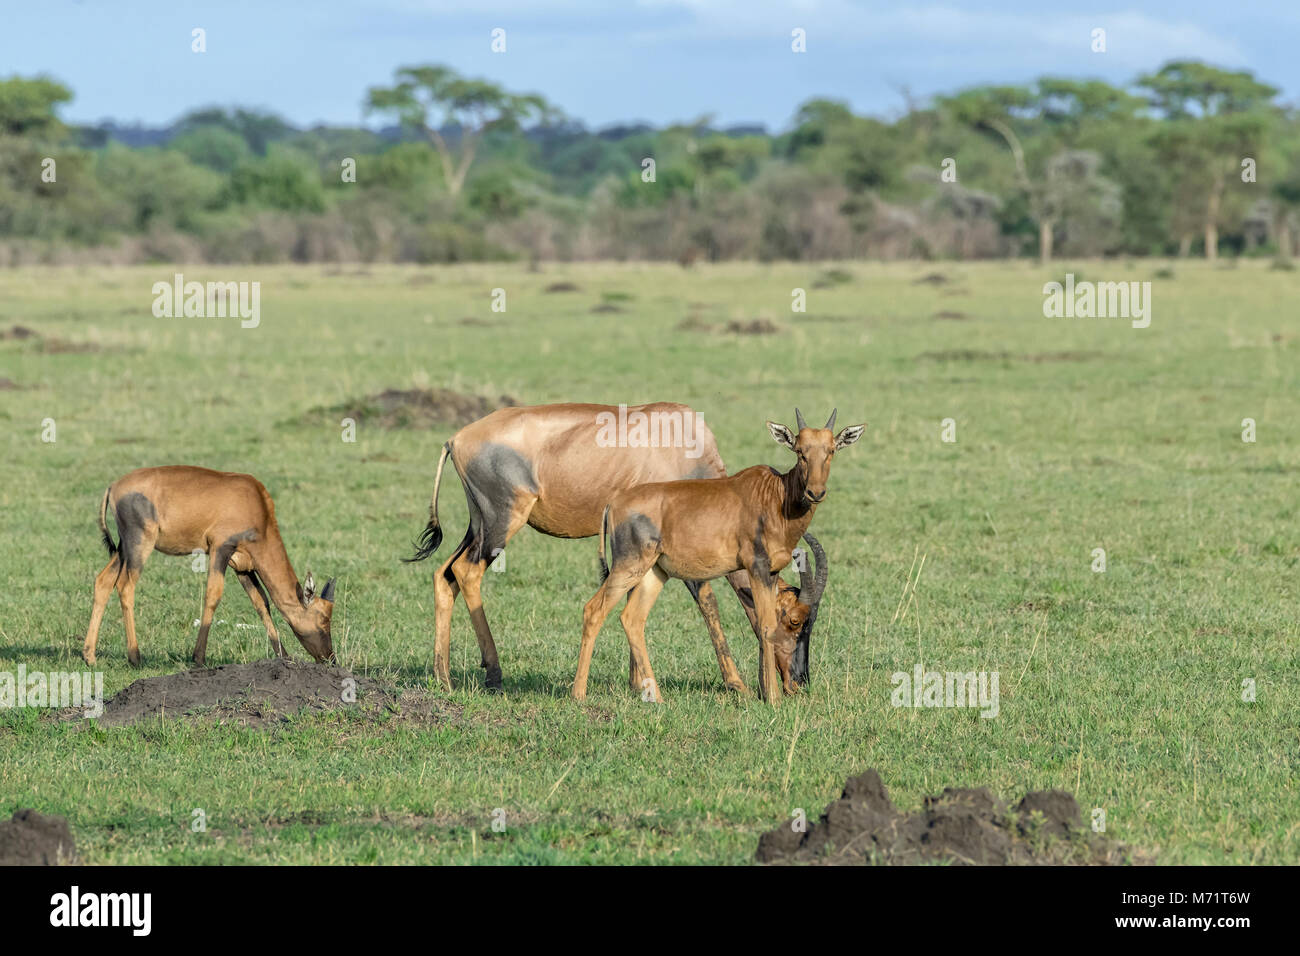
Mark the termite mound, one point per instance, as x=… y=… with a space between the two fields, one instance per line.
x=411 y=408
x=959 y=826
x=35 y=839
x=264 y=693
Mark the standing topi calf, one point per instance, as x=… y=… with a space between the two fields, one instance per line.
x=697 y=530
x=179 y=509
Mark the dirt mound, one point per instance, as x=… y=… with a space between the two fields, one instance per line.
x=45 y=343
x=9 y=385
x=979 y=355
x=965 y=355
x=415 y=408
x=966 y=826
x=933 y=278
x=607 y=307
x=753 y=327
x=262 y=693
x=831 y=278
x=952 y=315
x=34 y=839
x=562 y=287
x=693 y=323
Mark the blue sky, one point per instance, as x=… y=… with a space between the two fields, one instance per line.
x=659 y=61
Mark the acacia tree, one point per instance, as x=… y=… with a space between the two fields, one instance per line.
x=27 y=107
x=432 y=99
x=1212 y=119
x=1053 y=116
x=1286 y=209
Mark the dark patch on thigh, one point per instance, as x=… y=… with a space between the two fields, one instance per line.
x=631 y=538
x=494 y=480
x=227 y=548
x=134 y=514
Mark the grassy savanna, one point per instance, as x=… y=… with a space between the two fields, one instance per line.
x=1124 y=687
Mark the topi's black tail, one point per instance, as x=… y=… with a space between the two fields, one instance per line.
x=604 y=527
x=428 y=542
x=103 y=524
x=431 y=537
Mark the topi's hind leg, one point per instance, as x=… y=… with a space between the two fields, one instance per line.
x=491 y=542
x=622 y=578
x=140 y=545
x=126 y=595
x=138 y=522
x=445 y=589
x=104 y=583
x=633 y=618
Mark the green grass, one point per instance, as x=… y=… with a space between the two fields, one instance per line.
x=1123 y=686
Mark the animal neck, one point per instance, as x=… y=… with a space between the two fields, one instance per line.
x=796 y=510
x=281 y=582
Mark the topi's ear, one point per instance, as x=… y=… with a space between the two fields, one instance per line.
x=327 y=592
x=307 y=590
x=848 y=435
x=781 y=435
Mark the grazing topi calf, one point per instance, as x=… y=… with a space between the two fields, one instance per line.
x=180 y=509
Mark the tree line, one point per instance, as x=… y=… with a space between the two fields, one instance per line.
x=1188 y=160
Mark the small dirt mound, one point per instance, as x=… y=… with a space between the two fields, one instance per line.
x=965 y=355
x=978 y=355
x=607 y=307
x=9 y=385
x=45 y=343
x=831 y=278
x=753 y=327
x=562 y=287
x=262 y=693
x=966 y=826
x=933 y=278
x=693 y=323
x=35 y=839
x=415 y=408
x=952 y=315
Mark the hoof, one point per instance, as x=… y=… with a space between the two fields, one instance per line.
x=133 y=661
x=494 y=681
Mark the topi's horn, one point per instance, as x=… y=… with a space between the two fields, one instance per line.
x=830 y=422
x=798 y=420
x=812 y=584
